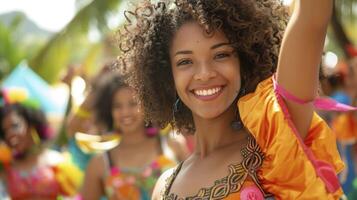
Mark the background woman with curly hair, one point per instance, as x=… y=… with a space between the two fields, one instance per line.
x=35 y=171
x=207 y=67
x=128 y=171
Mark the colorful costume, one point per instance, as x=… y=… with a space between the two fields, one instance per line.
x=136 y=184
x=45 y=182
x=291 y=168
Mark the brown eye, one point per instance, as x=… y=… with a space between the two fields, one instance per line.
x=184 y=62
x=222 y=55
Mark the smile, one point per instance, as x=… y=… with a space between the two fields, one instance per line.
x=208 y=94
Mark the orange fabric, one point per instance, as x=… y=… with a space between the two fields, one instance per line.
x=287 y=172
x=345 y=127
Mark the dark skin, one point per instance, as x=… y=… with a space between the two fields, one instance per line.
x=135 y=149
x=199 y=69
x=18 y=138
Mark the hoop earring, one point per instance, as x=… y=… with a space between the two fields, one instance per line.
x=237 y=123
x=35 y=137
x=176 y=105
x=175 y=109
x=241 y=92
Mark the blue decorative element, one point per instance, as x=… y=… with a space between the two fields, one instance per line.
x=22 y=76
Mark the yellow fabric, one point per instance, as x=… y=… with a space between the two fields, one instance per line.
x=82 y=113
x=287 y=172
x=69 y=177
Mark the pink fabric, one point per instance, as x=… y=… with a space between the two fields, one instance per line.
x=251 y=193
x=40 y=183
x=319 y=103
x=324 y=170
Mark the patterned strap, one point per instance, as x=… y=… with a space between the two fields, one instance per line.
x=238 y=173
x=170 y=180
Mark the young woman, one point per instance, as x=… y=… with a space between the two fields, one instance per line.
x=208 y=67
x=34 y=172
x=130 y=170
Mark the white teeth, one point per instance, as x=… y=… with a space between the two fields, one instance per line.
x=207 y=92
x=127 y=120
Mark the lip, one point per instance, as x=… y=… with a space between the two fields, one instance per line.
x=13 y=141
x=208 y=97
x=127 y=120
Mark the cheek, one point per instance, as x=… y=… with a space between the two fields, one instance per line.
x=139 y=112
x=116 y=113
x=233 y=75
x=181 y=80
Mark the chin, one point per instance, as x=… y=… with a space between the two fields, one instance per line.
x=130 y=129
x=209 y=114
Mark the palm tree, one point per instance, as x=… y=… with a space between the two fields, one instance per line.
x=11 y=50
x=343 y=19
x=59 y=51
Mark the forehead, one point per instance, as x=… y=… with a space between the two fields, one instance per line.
x=11 y=117
x=124 y=93
x=191 y=34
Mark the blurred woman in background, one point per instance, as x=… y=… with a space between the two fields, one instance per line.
x=130 y=170
x=34 y=172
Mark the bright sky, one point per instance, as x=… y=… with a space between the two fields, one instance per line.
x=51 y=15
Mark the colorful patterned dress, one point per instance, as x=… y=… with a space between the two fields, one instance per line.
x=138 y=183
x=43 y=182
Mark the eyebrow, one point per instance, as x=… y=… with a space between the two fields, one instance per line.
x=213 y=47
x=220 y=44
x=183 y=52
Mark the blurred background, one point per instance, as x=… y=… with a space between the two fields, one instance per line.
x=50 y=36
x=55 y=48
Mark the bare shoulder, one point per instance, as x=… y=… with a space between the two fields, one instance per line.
x=161 y=184
x=92 y=187
x=97 y=163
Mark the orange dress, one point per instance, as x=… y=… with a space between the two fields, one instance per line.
x=276 y=163
x=287 y=172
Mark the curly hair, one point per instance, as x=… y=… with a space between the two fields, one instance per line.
x=104 y=96
x=33 y=117
x=254 y=29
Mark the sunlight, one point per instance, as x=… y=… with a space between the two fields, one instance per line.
x=50 y=15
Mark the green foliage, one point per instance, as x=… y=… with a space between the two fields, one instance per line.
x=347 y=10
x=62 y=47
x=11 y=51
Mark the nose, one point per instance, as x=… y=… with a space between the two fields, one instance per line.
x=125 y=111
x=204 y=72
x=128 y=110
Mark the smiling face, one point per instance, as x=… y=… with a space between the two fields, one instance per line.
x=206 y=70
x=16 y=132
x=126 y=111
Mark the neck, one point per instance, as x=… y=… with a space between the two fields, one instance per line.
x=33 y=152
x=137 y=136
x=213 y=134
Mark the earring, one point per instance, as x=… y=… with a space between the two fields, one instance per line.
x=35 y=137
x=237 y=123
x=151 y=130
x=176 y=105
x=175 y=110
